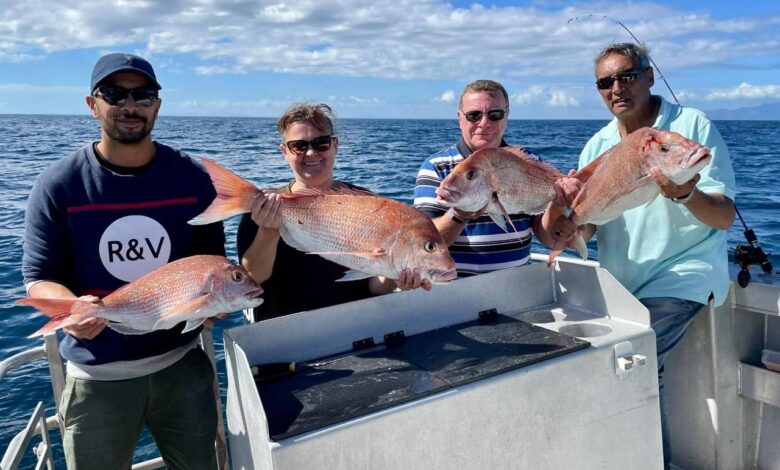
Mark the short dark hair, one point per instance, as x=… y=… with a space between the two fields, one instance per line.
x=490 y=87
x=638 y=53
x=321 y=116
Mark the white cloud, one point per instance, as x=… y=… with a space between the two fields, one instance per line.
x=562 y=99
x=233 y=104
x=685 y=95
x=551 y=96
x=407 y=39
x=745 y=91
x=447 y=97
x=352 y=101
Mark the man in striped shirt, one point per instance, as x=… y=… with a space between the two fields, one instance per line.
x=476 y=243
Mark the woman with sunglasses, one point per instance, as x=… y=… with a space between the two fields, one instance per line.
x=295 y=281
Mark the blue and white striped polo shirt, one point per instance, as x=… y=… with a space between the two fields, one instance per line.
x=483 y=246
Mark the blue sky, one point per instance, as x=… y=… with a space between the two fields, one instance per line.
x=377 y=59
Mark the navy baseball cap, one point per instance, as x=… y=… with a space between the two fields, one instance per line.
x=120 y=62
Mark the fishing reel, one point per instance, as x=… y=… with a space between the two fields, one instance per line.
x=748 y=255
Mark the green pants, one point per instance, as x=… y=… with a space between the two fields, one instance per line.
x=103 y=420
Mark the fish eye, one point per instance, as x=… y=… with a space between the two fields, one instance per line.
x=470 y=175
x=429 y=246
x=664 y=148
x=237 y=276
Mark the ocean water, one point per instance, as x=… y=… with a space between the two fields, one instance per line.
x=382 y=155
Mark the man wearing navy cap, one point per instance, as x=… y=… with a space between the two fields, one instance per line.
x=96 y=220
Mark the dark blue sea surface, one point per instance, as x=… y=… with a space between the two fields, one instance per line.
x=382 y=155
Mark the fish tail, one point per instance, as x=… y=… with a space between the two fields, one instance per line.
x=578 y=243
x=235 y=195
x=63 y=312
x=57 y=322
x=556 y=250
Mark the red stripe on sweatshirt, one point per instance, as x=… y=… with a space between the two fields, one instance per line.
x=133 y=205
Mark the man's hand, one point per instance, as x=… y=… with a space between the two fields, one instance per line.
x=410 y=279
x=87 y=328
x=669 y=189
x=469 y=215
x=563 y=229
x=566 y=189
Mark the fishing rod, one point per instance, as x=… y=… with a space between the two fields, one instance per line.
x=744 y=255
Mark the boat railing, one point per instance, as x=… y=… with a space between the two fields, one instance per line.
x=41 y=424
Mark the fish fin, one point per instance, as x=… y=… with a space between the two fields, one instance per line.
x=532 y=159
x=124 y=329
x=189 y=308
x=499 y=215
x=498 y=219
x=312 y=192
x=302 y=194
x=63 y=312
x=376 y=253
x=192 y=324
x=588 y=170
x=505 y=214
x=353 y=275
x=517 y=151
x=235 y=195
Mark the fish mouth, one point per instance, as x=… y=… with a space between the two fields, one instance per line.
x=448 y=195
x=699 y=156
x=440 y=276
x=254 y=294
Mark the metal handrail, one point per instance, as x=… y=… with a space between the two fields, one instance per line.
x=20 y=359
x=37 y=425
x=50 y=351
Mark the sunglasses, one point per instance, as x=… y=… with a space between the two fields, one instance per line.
x=319 y=144
x=625 y=77
x=493 y=115
x=117 y=95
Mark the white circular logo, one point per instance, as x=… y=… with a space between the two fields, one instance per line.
x=133 y=246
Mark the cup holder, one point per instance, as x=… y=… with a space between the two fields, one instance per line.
x=585 y=330
x=541 y=316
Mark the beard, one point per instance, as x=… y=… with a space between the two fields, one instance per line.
x=127 y=136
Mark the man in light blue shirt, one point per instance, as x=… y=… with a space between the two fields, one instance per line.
x=671 y=254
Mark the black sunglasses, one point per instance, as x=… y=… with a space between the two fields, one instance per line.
x=493 y=115
x=117 y=95
x=319 y=144
x=627 y=76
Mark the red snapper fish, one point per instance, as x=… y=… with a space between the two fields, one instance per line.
x=619 y=179
x=189 y=289
x=371 y=235
x=507 y=180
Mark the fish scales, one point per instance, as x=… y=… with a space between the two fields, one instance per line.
x=359 y=230
x=620 y=179
x=186 y=290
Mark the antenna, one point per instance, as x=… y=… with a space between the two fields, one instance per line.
x=605 y=17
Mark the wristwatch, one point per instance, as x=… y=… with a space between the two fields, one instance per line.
x=685 y=199
x=454 y=216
